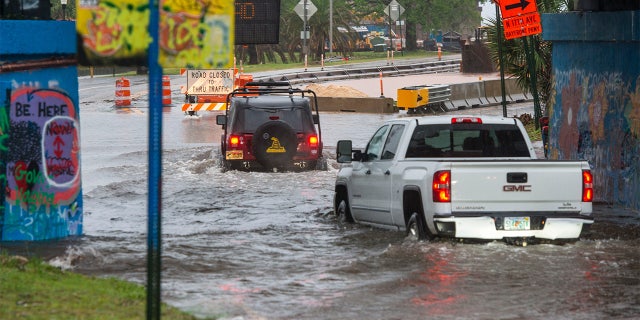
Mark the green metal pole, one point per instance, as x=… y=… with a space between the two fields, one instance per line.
x=502 y=85
x=534 y=74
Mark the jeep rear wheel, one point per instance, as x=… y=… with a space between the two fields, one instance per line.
x=274 y=144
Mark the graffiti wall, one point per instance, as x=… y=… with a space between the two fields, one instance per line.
x=596 y=112
x=40 y=140
x=192 y=34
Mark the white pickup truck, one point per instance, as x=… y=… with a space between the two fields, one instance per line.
x=465 y=177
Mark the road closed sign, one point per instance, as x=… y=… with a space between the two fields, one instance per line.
x=210 y=82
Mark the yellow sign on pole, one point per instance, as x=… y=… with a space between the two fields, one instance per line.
x=194 y=34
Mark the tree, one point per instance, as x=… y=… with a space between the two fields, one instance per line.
x=514 y=57
x=291 y=45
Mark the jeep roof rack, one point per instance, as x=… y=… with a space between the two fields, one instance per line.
x=254 y=88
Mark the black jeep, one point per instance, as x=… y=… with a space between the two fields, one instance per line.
x=271 y=126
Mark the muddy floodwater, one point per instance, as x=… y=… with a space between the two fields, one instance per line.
x=240 y=245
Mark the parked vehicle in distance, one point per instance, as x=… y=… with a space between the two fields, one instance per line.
x=271 y=126
x=463 y=177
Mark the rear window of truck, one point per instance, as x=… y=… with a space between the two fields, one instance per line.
x=467 y=140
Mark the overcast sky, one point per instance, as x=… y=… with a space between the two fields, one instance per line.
x=488 y=11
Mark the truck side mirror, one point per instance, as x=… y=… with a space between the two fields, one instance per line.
x=343 y=151
x=221 y=119
x=316 y=119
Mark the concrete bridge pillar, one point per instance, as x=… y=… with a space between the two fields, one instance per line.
x=40 y=182
x=595 y=113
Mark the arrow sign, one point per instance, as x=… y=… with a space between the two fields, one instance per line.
x=523 y=5
x=511 y=8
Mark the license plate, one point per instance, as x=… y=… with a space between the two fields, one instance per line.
x=234 y=155
x=517 y=223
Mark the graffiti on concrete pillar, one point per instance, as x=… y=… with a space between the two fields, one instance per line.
x=597 y=117
x=43 y=196
x=5 y=99
x=198 y=34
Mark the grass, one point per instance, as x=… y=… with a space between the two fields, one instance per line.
x=32 y=289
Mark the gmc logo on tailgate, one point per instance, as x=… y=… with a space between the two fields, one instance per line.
x=516 y=188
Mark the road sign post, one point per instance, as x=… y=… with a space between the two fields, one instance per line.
x=394 y=10
x=520 y=18
x=305 y=9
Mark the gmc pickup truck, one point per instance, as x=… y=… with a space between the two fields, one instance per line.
x=463 y=177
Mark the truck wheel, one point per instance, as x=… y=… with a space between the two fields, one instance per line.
x=343 y=214
x=417 y=229
x=274 y=144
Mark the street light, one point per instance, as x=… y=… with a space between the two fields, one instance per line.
x=64 y=9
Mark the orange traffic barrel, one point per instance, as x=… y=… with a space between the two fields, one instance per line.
x=123 y=94
x=166 y=90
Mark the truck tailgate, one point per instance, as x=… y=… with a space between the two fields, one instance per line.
x=517 y=186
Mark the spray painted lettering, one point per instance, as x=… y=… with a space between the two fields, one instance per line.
x=43 y=189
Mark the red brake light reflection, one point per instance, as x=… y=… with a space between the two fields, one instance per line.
x=442 y=186
x=587 y=186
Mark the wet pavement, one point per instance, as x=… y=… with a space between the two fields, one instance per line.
x=241 y=245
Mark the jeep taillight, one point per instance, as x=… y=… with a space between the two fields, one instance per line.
x=313 y=141
x=587 y=186
x=442 y=186
x=234 y=141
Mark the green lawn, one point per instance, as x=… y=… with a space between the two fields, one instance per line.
x=31 y=289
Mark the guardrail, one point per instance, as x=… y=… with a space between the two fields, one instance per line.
x=424 y=98
x=343 y=73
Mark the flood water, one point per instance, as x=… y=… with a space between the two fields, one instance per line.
x=239 y=245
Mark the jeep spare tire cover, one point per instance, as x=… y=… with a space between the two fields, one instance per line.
x=274 y=144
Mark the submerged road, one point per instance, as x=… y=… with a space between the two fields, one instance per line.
x=240 y=245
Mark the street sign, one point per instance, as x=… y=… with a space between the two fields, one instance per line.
x=514 y=8
x=209 y=82
x=299 y=9
x=525 y=25
x=394 y=10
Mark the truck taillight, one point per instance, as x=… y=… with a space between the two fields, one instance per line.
x=234 y=141
x=587 y=186
x=442 y=186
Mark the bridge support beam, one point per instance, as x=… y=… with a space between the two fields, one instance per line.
x=595 y=113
